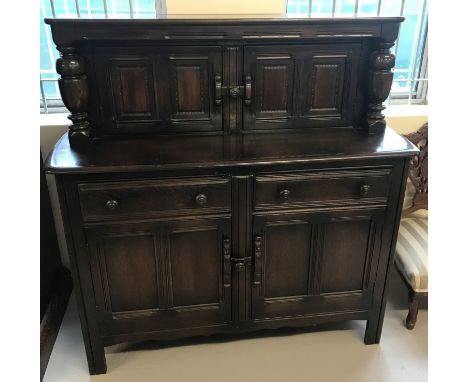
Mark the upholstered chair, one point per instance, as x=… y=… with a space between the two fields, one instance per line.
x=411 y=255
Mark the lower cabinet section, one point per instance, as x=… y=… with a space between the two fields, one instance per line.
x=161 y=275
x=164 y=265
x=310 y=263
x=178 y=273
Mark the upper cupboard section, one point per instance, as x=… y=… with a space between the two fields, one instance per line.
x=169 y=88
x=301 y=86
x=156 y=89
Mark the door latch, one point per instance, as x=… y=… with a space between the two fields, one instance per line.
x=233 y=91
x=241 y=264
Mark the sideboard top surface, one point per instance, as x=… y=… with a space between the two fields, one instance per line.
x=66 y=31
x=197 y=152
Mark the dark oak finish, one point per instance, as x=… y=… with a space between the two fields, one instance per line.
x=171 y=75
x=231 y=184
x=302 y=86
x=73 y=86
x=149 y=198
x=301 y=262
x=155 y=88
x=161 y=275
x=333 y=186
x=164 y=153
x=239 y=246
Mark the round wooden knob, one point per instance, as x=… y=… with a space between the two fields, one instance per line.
x=112 y=205
x=285 y=194
x=365 y=189
x=201 y=199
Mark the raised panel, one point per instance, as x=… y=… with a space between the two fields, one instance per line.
x=134 y=85
x=195 y=263
x=326 y=86
x=287 y=259
x=162 y=274
x=133 y=89
x=329 y=85
x=346 y=246
x=157 y=89
x=189 y=83
x=189 y=73
x=129 y=267
x=190 y=92
x=274 y=85
x=303 y=86
x=314 y=262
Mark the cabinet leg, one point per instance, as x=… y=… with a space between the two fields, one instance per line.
x=374 y=328
x=96 y=360
x=94 y=348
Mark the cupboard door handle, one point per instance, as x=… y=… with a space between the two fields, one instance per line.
x=218 y=90
x=248 y=90
x=258 y=260
x=112 y=205
x=201 y=199
x=226 y=263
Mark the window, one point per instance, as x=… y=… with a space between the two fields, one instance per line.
x=51 y=102
x=410 y=73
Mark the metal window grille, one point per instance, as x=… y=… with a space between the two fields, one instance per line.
x=410 y=80
x=50 y=100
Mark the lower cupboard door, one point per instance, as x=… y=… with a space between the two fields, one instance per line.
x=314 y=263
x=161 y=276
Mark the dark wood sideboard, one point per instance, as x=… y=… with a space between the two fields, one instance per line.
x=227 y=175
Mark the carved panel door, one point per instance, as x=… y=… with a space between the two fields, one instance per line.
x=312 y=263
x=301 y=86
x=188 y=86
x=162 y=275
x=160 y=89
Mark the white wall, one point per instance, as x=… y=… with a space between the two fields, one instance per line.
x=50 y=133
x=188 y=7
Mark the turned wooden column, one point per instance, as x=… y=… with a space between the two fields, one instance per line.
x=73 y=86
x=379 y=83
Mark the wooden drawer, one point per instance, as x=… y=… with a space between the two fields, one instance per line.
x=152 y=198
x=330 y=187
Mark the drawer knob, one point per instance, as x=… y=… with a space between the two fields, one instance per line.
x=201 y=199
x=365 y=189
x=285 y=195
x=112 y=205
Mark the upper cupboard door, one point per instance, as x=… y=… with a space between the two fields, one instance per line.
x=163 y=89
x=189 y=87
x=302 y=86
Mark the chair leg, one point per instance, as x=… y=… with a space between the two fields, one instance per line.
x=414 y=300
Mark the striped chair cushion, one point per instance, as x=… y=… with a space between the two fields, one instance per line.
x=411 y=252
